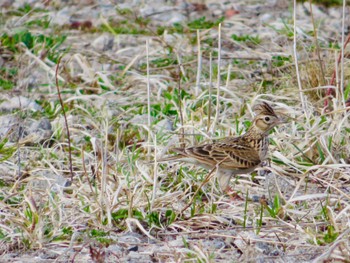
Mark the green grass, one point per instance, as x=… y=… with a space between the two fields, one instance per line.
x=255 y=40
x=6 y=151
x=33 y=42
x=326 y=3
x=203 y=23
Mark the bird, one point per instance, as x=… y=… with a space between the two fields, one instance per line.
x=234 y=155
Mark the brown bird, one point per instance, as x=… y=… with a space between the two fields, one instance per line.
x=234 y=155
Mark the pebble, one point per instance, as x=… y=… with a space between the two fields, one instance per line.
x=45 y=179
x=103 y=43
x=19 y=102
x=164 y=125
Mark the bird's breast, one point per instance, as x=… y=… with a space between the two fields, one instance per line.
x=261 y=145
x=263 y=148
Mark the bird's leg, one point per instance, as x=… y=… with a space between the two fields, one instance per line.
x=232 y=194
x=224 y=183
x=207 y=178
x=267 y=163
x=268 y=160
x=224 y=180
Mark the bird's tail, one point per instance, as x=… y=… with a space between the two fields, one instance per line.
x=179 y=155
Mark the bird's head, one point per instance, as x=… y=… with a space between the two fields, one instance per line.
x=266 y=118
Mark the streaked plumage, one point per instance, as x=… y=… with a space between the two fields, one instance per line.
x=234 y=155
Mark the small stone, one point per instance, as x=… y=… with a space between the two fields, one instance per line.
x=45 y=179
x=8 y=123
x=140 y=119
x=19 y=102
x=164 y=125
x=33 y=131
x=115 y=248
x=256 y=198
x=264 y=18
x=43 y=124
x=103 y=43
x=62 y=17
x=133 y=248
x=135 y=257
x=131 y=238
x=218 y=13
x=213 y=244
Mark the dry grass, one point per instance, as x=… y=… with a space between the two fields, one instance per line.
x=305 y=215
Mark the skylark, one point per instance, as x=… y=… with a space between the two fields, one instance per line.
x=234 y=155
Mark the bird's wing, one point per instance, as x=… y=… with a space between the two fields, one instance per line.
x=230 y=155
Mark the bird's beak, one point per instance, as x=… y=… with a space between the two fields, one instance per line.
x=282 y=120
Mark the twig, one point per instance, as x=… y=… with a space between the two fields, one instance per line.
x=182 y=130
x=228 y=76
x=155 y=176
x=206 y=179
x=105 y=204
x=85 y=171
x=302 y=99
x=210 y=88
x=330 y=91
x=218 y=83
x=148 y=101
x=323 y=80
x=20 y=133
x=189 y=63
x=77 y=251
x=199 y=64
x=342 y=52
x=167 y=11
x=65 y=121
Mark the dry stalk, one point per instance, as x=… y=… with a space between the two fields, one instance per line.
x=323 y=80
x=65 y=121
x=148 y=102
x=206 y=179
x=301 y=93
x=217 y=83
x=199 y=64
x=330 y=91
x=182 y=130
x=210 y=88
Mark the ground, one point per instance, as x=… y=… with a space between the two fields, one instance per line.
x=132 y=79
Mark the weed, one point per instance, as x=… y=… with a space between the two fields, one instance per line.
x=279 y=61
x=202 y=23
x=328 y=236
x=34 y=42
x=255 y=40
x=6 y=151
x=43 y=22
x=275 y=209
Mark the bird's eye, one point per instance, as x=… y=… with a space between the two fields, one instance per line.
x=267 y=119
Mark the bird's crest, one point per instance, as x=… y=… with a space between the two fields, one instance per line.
x=264 y=108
